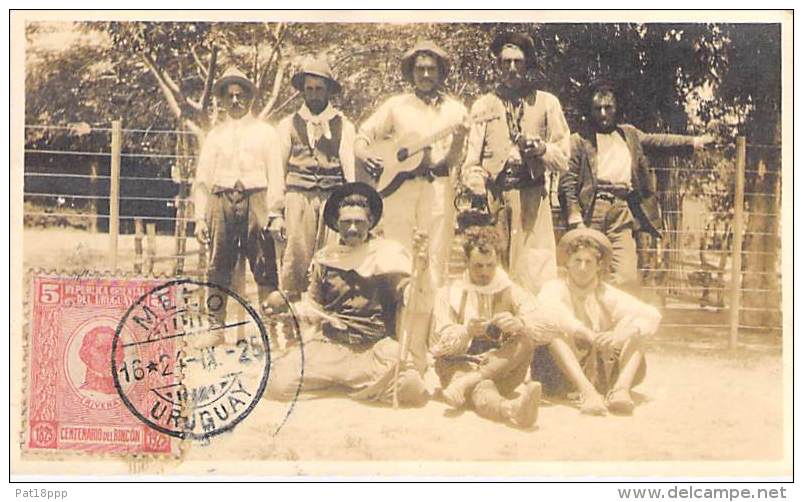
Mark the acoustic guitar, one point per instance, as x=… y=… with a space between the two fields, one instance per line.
x=401 y=157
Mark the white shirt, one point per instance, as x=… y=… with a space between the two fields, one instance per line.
x=613 y=159
x=244 y=151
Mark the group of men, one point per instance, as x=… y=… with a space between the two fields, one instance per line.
x=367 y=272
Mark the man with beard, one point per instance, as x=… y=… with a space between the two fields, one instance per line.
x=599 y=347
x=238 y=190
x=420 y=202
x=357 y=288
x=317 y=149
x=510 y=158
x=609 y=185
x=481 y=344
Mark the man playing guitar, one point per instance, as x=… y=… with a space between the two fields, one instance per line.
x=420 y=199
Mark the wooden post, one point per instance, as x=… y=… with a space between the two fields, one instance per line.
x=114 y=192
x=138 y=259
x=151 y=235
x=94 y=192
x=738 y=234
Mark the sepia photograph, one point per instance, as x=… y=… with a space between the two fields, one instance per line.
x=362 y=243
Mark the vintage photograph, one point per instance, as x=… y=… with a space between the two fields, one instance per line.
x=390 y=243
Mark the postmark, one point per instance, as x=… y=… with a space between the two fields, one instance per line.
x=72 y=404
x=197 y=383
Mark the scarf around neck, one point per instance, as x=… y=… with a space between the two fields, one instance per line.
x=318 y=125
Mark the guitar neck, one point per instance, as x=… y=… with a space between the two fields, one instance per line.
x=432 y=138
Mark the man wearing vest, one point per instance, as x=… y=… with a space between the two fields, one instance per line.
x=317 y=149
x=609 y=185
x=238 y=189
x=419 y=203
x=514 y=155
x=482 y=347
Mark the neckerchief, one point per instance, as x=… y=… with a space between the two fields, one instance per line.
x=318 y=125
x=430 y=99
x=587 y=306
x=377 y=256
x=480 y=294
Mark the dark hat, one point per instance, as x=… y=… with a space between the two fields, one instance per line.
x=425 y=47
x=233 y=75
x=317 y=67
x=520 y=40
x=603 y=244
x=330 y=210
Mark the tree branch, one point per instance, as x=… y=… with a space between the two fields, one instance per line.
x=274 y=95
x=281 y=31
x=210 y=76
x=167 y=91
x=199 y=65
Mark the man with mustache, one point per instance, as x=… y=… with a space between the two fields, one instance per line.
x=420 y=202
x=238 y=190
x=609 y=185
x=510 y=158
x=358 y=287
x=317 y=150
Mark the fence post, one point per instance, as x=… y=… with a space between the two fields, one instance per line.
x=738 y=234
x=150 y=231
x=138 y=246
x=114 y=192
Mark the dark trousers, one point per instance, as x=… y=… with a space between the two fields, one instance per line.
x=614 y=219
x=237 y=221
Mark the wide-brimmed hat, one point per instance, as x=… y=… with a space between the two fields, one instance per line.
x=330 y=210
x=603 y=244
x=233 y=75
x=425 y=47
x=317 y=67
x=520 y=40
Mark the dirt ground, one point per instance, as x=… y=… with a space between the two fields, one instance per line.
x=698 y=402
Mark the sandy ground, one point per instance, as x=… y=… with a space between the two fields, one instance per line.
x=698 y=402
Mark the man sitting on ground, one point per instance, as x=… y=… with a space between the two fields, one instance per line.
x=482 y=347
x=357 y=287
x=601 y=349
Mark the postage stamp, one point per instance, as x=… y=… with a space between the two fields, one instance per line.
x=71 y=395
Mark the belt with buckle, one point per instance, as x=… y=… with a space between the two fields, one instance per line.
x=611 y=193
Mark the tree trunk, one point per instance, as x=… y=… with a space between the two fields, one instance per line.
x=762 y=296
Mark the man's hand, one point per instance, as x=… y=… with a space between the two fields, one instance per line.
x=587 y=335
x=476 y=328
x=701 y=142
x=508 y=324
x=610 y=340
x=533 y=145
x=202 y=232
x=276 y=228
x=373 y=164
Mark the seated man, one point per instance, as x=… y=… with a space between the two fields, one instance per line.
x=482 y=347
x=356 y=288
x=601 y=350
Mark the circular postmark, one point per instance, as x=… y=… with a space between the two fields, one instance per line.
x=190 y=359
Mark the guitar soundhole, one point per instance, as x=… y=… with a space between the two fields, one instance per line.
x=402 y=154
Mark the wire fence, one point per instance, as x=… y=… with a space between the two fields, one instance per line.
x=102 y=188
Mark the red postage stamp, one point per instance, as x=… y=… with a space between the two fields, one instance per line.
x=72 y=402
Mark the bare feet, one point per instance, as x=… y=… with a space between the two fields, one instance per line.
x=620 y=402
x=455 y=392
x=592 y=404
x=524 y=409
